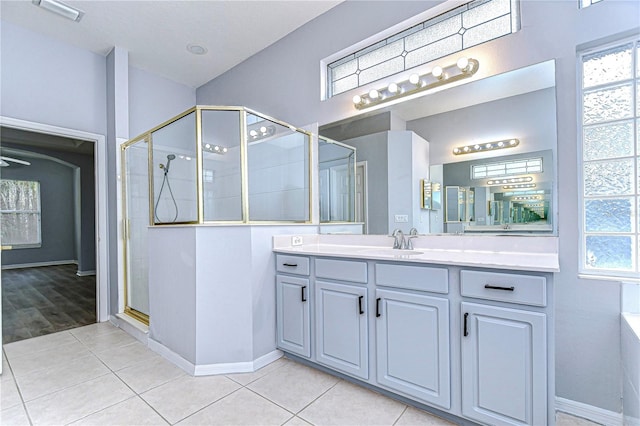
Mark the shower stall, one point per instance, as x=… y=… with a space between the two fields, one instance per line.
x=209 y=166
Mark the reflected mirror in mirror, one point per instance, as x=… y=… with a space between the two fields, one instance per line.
x=519 y=104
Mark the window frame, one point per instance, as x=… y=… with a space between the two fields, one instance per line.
x=38 y=213
x=608 y=273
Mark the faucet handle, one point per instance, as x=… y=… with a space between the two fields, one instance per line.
x=413 y=231
x=409 y=242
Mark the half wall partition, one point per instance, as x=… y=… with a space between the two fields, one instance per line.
x=209 y=165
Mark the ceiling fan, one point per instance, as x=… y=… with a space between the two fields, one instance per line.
x=4 y=161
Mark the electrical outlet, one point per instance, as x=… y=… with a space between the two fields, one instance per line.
x=402 y=218
x=296 y=240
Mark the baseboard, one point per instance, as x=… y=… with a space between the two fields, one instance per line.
x=589 y=412
x=237 y=367
x=134 y=328
x=85 y=273
x=212 y=369
x=40 y=264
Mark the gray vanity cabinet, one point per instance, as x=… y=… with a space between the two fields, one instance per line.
x=341 y=327
x=504 y=350
x=293 y=315
x=412 y=345
x=292 y=305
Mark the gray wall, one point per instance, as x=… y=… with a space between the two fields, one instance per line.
x=373 y=150
x=57 y=203
x=283 y=81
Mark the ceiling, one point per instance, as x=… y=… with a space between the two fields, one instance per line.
x=156 y=33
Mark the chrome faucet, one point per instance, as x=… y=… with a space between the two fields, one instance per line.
x=413 y=233
x=399 y=243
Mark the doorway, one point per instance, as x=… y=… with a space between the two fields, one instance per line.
x=100 y=237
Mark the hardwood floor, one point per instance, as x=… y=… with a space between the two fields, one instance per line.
x=39 y=301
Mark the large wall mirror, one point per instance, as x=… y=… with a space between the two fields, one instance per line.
x=408 y=147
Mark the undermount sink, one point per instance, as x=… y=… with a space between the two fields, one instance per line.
x=391 y=252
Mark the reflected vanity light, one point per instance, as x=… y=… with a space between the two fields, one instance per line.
x=215 y=149
x=463 y=68
x=530 y=197
x=509 y=180
x=486 y=146
x=261 y=132
x=520 y=185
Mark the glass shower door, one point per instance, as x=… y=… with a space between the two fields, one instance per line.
x=136 y=219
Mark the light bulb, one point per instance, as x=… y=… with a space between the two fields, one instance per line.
x=357 y=99
x=263 y=130
x=208 y=146
x=253 y=133
x=414 y=79
x=393 y=88
x=216 y=148
x=456 y=151
x=476 y=147
x=500 y=144
x=465 y=149
x=488 y=146
x=373 y=94
x=224 y=149
x=463 y=64
x=187 y=158
x=513 y=142
x=437 y=72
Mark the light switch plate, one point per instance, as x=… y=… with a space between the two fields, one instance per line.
x=296 y=240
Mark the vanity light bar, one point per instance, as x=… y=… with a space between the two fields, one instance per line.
x=510 y=180
x=215 y=149
x=520 y=185
x=439 y=76
x=487 y=146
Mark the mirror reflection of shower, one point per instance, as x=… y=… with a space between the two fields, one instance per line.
x=167 y=183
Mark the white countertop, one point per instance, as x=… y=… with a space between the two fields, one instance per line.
x=521 y=253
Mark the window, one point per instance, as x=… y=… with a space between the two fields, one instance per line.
x=610 y=182
x=507 y=168
x=471 y=24
x=20 y=210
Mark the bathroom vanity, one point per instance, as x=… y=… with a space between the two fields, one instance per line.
x=461 y=324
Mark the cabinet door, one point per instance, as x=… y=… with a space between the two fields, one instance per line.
x=293 y=315
x=412 y=343
x=504 y=365
x=341 y=328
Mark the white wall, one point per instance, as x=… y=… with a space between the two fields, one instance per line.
x=50 y=82
x=154 y=100
x=284 y=81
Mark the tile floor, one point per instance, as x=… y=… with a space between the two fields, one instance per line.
x=99 y=375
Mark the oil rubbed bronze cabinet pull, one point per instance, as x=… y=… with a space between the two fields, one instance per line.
x=378 y=308
x=466 y=315
x=360 y=305
x=497 y=287
x=290 y=264
x=304 y=299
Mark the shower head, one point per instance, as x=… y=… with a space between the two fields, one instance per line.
x=166 y=166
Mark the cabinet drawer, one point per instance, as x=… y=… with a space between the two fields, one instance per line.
x=413 y=277
x=513 y=288
x=292 y=264
x=344 y=270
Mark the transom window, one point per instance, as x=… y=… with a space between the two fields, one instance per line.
x=506 y=168
x=20 y=211
x=610 y=146
x=468 y=25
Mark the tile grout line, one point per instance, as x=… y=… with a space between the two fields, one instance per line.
x=208 y=405
x=15 y=382
x=406 y=407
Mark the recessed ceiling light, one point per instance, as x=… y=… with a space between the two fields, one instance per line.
x=60 y=8
x=196 y=49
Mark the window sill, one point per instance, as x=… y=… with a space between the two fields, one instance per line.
x=20 y=246
x=599 y=277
